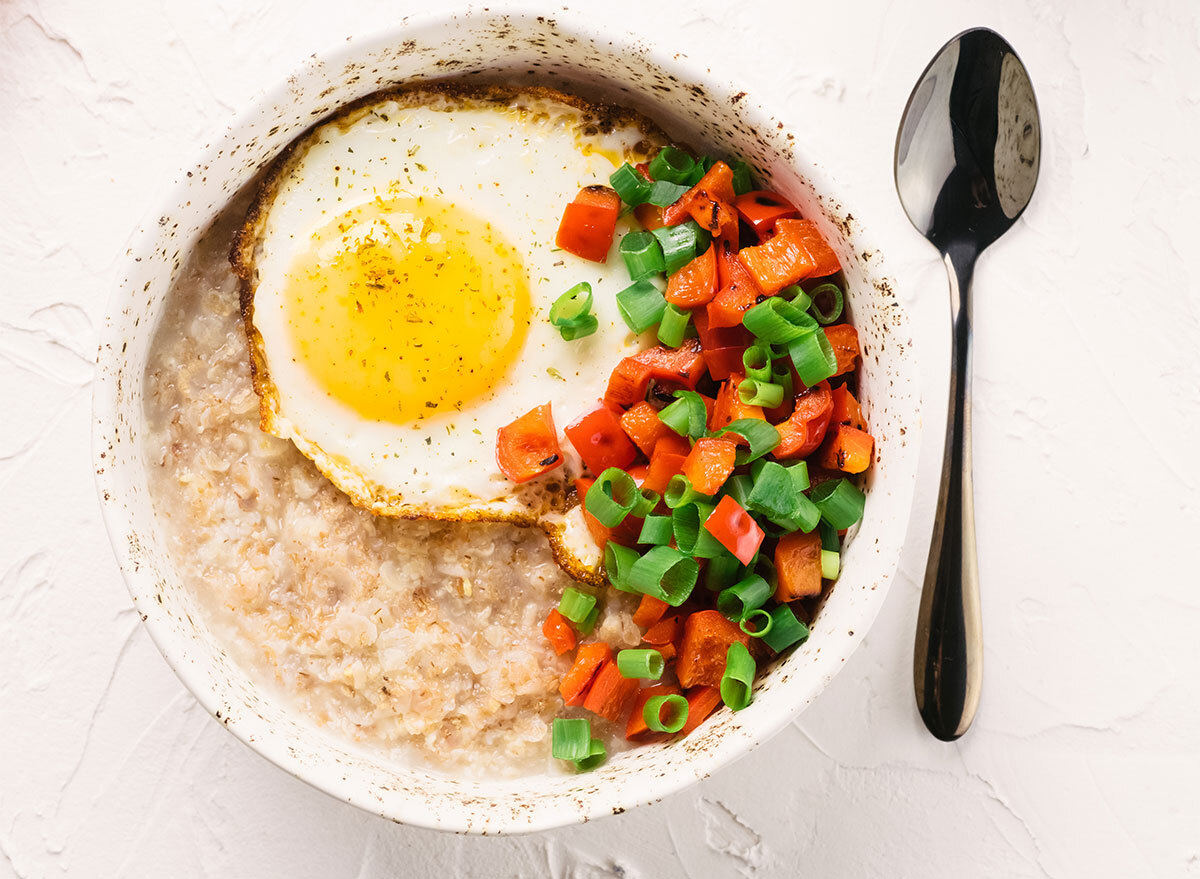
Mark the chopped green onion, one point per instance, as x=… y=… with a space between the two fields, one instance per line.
x=795 y=294
x=576 y=605
x=680 y=492
x=664 y=192
x=799 y=474
x=612 y=496
x=753 y=392
x=785 y=629
x=585 y=625
x=687 y=416
x=761 y=629
x=674 y=324
x=777 y=321
x=721 y=571
x=672 y=163
x=648 y=499
x=783 y=378
x=840 y=501
x=629 y=183
x=756 y=360
x=578 y=328
x=595 y=756
x=765 y=568
x=656 y=530
x=738 y=677
x=813 y=357
x=739 y=487
x=571 y=313
x=761 y=436
x=804 y=518
x=573 y=304
x=774 y=494
x=743 y=177
x=743 y=596
x=834 y=292
x=570 y=738
x=831 y=563
x=618 y=562
x=829 y=536
x=646 y=665
x=681 y=244
x=641 y=305
x=689 y=536
x=642 y=254
x=665 y=573
x=676 y=710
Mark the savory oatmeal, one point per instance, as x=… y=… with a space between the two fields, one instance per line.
x=416 y=636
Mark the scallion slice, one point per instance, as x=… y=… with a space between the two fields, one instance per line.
x=647 y=500
x=689 y=536
x=641 y=305
x=664 y=192
x=739 y=487
x=665 y=573
x=777 y=321
x=831 y=563
x=672 y=163
x=738 y=677
x=612 y=497
x=595 y=756
x=774 y=494
x=687 y=416
x=674 y=324
x=721 y=571
x=840 y=501
x=829 y=315
x=813 y=357
x=753 y=392
x=570 y=738
x=761 y=628
x=656 y=530
x=585 y=625
x=743 y=596
x=743 y=177
x=680 y=492
x=799 y=474
x=761 y=436
x=804 y=518
x=629 y=183
x=642 y=254
x=829 y=536
x=618 y=562
x=647 y=665
x=785 y=629
x=783 y=378
x=576 y=605
x=795 y=294
x=681 y=244
x=676 y=713
x=578 y=328
x=756 y=361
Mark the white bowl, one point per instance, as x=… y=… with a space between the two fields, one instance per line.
x=693 y=108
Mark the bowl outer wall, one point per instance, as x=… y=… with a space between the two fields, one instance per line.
x=693 y=105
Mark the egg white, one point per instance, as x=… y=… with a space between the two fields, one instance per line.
x=514 y=158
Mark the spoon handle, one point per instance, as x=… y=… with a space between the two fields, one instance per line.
x=948 y=659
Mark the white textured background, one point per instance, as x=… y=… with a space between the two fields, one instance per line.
x=1085 y=759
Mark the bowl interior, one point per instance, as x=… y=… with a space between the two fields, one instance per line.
x=693 y=108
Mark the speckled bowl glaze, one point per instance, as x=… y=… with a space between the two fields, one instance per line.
x=685 y=99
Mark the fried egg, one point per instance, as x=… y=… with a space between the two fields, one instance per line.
x=397 y=268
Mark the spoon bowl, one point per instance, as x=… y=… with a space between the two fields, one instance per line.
x=967 y=158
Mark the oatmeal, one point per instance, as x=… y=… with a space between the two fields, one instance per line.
x=419 y=637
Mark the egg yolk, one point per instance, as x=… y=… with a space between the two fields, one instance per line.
x=408 y=308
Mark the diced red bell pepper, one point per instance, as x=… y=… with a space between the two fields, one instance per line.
x=798 y=564
x=709 y=202
x=847 y=449
x=729 y=406
x=529 y=446
x=843 y=338
x=558 y=632
x=735 y=529
x=642 y=425
x=761 y=209
x=802 y=433
x=678 y=367
x=669 y=454
x=589 y=223
x=709 y=463
x=719 y=337
x=696 y=283
x=846 y=409
x=601 y=443
x=628 y=383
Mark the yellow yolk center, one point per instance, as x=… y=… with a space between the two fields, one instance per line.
x=407 y=308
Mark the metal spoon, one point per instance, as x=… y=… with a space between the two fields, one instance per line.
x=967 y=157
